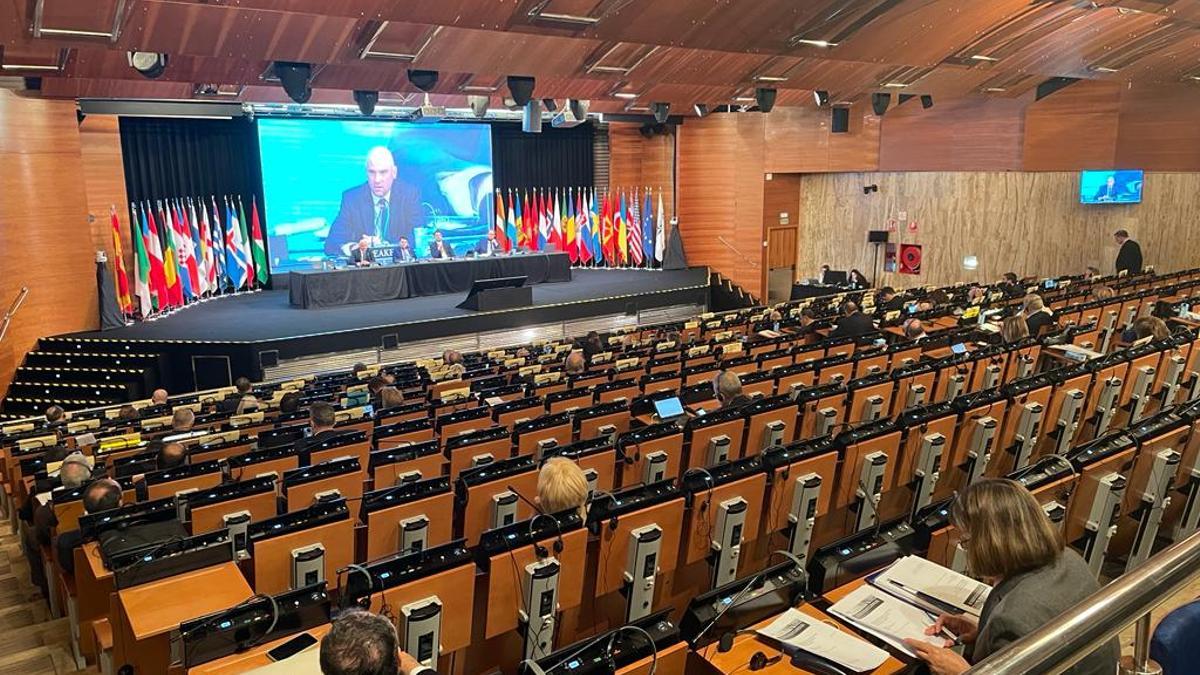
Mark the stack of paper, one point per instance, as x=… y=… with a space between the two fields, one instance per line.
x=930 y=586
x=887 y=618
x=797 y=630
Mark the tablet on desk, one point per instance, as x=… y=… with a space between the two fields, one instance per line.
x=668 y=408
x=958 y=348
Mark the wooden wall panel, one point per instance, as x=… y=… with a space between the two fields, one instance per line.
x=1158 y=129
x=781 y=195
x=973 y=134
x=721 y=195
x=799 y=140
x=1073 y=128
x=637 y=161
x=1030 y=223
x=45 y=239
x=104 y=180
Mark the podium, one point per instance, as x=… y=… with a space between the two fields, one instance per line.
x=490 y=295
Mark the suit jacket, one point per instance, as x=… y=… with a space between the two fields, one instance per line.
x=404 y=255
x=1038 y=320
x=1025 y=602
x=356 y=216
x=304 y=445
x=357 y=256
x=482 y=247
x=64 y=547
x=852 y=326
x=433 y=251
x=1129 y=258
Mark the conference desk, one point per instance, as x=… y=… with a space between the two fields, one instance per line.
x=314 y=289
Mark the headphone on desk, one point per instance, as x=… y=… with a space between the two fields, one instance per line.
x=540 y=550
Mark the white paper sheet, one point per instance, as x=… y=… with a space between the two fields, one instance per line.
x=886 y=617
x=915 y=575
x=797 y=630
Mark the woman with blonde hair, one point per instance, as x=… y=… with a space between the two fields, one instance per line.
x=1012 y=545
x=1013 y=329
x=562 y=486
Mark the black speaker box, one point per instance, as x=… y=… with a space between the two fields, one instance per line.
x=839 y=120
x=877 y=237
x=268 y=358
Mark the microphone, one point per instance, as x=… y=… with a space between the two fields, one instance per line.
x=523 y=498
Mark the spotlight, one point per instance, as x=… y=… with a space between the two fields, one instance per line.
x=366 y=100
x=549 y=105
x=149 y=64
x=478 y=105
x=926 y=101
x=295 y=78
x=821 y=97
x=579 y=108
x=701 y=109
x=660 y=110
x=765 y=97
x=425 y=80
x=880 y=102
x=531 y=117
x=521 y=88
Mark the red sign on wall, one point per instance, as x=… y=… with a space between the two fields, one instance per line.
x=910 y=258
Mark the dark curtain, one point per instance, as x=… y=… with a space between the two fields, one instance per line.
x=167 y=157
x=554 y=158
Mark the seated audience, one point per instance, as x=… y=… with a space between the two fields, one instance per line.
x=101 y=495
x=976 y=295
x=727 y=388
x=853 y=323
x=231 y=402
x=390 y=397
x=591 y=345
x=575 y=365
x=808 y=317
x=171 y=455
x=1147 y=327
x=159 y=397
x=182 y=420
x=1035 y=577
x=289 y=402
x=128 y=413
x=857 y=281
x=938 y=298
x=1010 y=285
x=55 y=415
x=1103 y=292
x=887 y=300
x=914 y=329
x=1013 y=329
x=358 y=368
x=362 y=643
x=1038 y=316
x=561 y=486
x=453 y=360
x=75 y=471
x=321 y=420
x=1092 y=272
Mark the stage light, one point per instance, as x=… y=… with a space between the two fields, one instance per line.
x=425 y=80
x=521 y=88
x=926 y=101
x=149 y=64
x=295 y=78
x=660 y=111
x=880 y=102
x=550 y=104
x=701 y=109
x=366 y=100
x=531 y=117
x=765 y=97
x=821 y=97
x=478 y=105
x=579 y=108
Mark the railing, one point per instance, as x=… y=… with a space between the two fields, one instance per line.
x=1077 y=632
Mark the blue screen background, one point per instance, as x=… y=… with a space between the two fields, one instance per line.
x=1128 y=186
x=307 y=164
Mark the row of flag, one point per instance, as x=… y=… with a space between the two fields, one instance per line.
x=187 y=249
x=594 y=227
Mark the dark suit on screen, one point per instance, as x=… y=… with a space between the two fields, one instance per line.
x=357 y=256
x=356 y=216
x=446 y=252
x=1129 y=258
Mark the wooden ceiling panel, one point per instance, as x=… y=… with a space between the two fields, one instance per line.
x=95 y=16
x=678 y=64
x=468 y=50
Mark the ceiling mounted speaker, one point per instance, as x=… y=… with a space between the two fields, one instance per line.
x=839 y=120
x=425 y=80
x=510 y=103
x=521 y=88
x=531 y=117
x=295 y=78
x=149 y=64
x=660 y=111
x=550 y=105
x=1052 y=85
x=366 y=100
x=765 y=97
x=478 y=105
x=821 y=97
x=579 y=108
x=700 y=109
x=880 y=102
x=926 y=101
x=901 y=99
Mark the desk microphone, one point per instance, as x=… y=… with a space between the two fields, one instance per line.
x=522 y=497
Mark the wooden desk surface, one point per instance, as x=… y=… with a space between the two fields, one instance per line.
x=160 y=606
x=744 y=646
x=91 y=551
x=255 y=658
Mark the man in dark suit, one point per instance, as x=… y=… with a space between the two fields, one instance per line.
x=1107 y=192
x=888 y=301
x=101 y=495
x=853 y=323
x=362 y=255
x=440 y=248
x=404 y=252
x=321 y=421
x=382 y=208
x=489 y=245
x=1129 y=258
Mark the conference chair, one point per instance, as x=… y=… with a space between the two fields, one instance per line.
x=569 y=400
x=760 y=384
x=350 y=444
x=597 y=457
x=620 y=388
x=1159 y=443
x=412 y=516
x=924 y=454
x=974 y=445
x=869 y=457
x=870 y=398
x=463 y=421
x=822 y=410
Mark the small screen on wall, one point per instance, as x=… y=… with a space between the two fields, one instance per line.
x=1110 y=187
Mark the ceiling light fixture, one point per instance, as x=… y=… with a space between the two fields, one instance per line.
x=770 y=78
x=823 y=44
x=626 y=94
x=984 y=57
x=895 y=85
x=1103 y=69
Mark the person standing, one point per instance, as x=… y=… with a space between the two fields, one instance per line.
x=1129 y=258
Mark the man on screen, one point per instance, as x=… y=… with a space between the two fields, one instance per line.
x=489 y=245
x=440 y=248
x=1109 y=191
x=382 y=208
x=362 y=255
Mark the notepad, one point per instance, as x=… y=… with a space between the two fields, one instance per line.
x=796 y=630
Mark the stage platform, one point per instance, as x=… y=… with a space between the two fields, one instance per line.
x=205 y=344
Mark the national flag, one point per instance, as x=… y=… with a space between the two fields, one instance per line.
x=218 y=238
x=141 y=265
x=583 y=225
x=124 y=301
x=660 y=233
x=622 y=234
x=170 y=260
x=512 y=226
x=545 y=221
x=158 y=269
x=500 y=225
x=594 y=227
x=247 y=254
x=569 y=229
x=516 y=220
x=187 y=248
x=196 y=229
x=206 y=249
x=237 y=265
x=634 y=228
x=258 y=246
x=556 y=224
x=648 y=229
x=609 y=241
